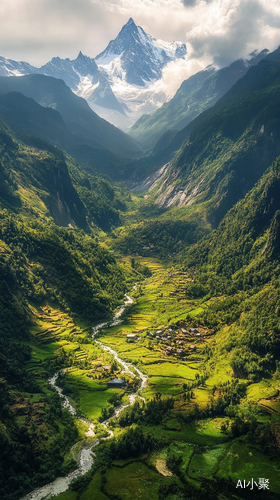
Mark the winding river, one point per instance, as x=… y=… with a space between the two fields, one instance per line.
x=86 y=457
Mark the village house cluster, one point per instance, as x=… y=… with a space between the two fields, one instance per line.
x=179 y=342
x=176 y=341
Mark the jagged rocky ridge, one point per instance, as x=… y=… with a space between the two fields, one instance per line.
x=111 y=81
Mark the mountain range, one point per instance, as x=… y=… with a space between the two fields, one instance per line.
x=226 y=148
x=121 y=83
x=197 y=93
x=54 y=113
x=117 y=82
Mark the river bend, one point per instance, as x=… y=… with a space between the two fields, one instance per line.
x=86 y=456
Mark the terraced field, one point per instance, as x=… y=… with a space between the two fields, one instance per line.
x=155 y=309
x=56 y=337
x=204 y=449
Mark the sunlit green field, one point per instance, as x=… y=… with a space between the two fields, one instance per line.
x=206 y=451
x=155 y=309
x=137 y=482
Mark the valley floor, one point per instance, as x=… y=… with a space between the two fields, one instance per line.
x=195 y=443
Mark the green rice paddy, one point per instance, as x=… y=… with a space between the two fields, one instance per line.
x=206 y=451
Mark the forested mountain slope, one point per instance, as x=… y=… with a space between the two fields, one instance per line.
x=36 y=178
x=196 y=94
x=239 y=261
x=229 y=146
x=42 y=265
x=26 y=117
x=45 y=267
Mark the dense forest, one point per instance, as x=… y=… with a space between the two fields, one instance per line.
x=161 y=238
x=239 y=262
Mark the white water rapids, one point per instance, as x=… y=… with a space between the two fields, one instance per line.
x=86 y=458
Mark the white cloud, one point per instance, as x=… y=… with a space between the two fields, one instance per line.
x=165 y=19
x=176 y=72
x=229 y=29
x=218 y=31
x=36 y=30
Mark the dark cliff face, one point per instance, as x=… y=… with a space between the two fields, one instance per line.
x=62 y=199
x=273 y=245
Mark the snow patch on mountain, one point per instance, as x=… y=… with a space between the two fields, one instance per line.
x=112 y=66
x=86 y=87
x=8 y=67
x=138 y=99
x=162 y=50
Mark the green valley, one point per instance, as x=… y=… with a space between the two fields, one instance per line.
x=205 y=440
x=139 y=342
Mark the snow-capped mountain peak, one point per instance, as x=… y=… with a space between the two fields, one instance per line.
x=121 y=83
x=8 y=67
x=136 y=57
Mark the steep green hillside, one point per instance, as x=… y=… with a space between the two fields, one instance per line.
x=230 y=145
x=32 y=442
x=103 y=200
x=197 y=93
x=43 y=267
x=26 y=117
x=36 y=178
x=83 y=125
x=239 y=261
x=51 y=263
